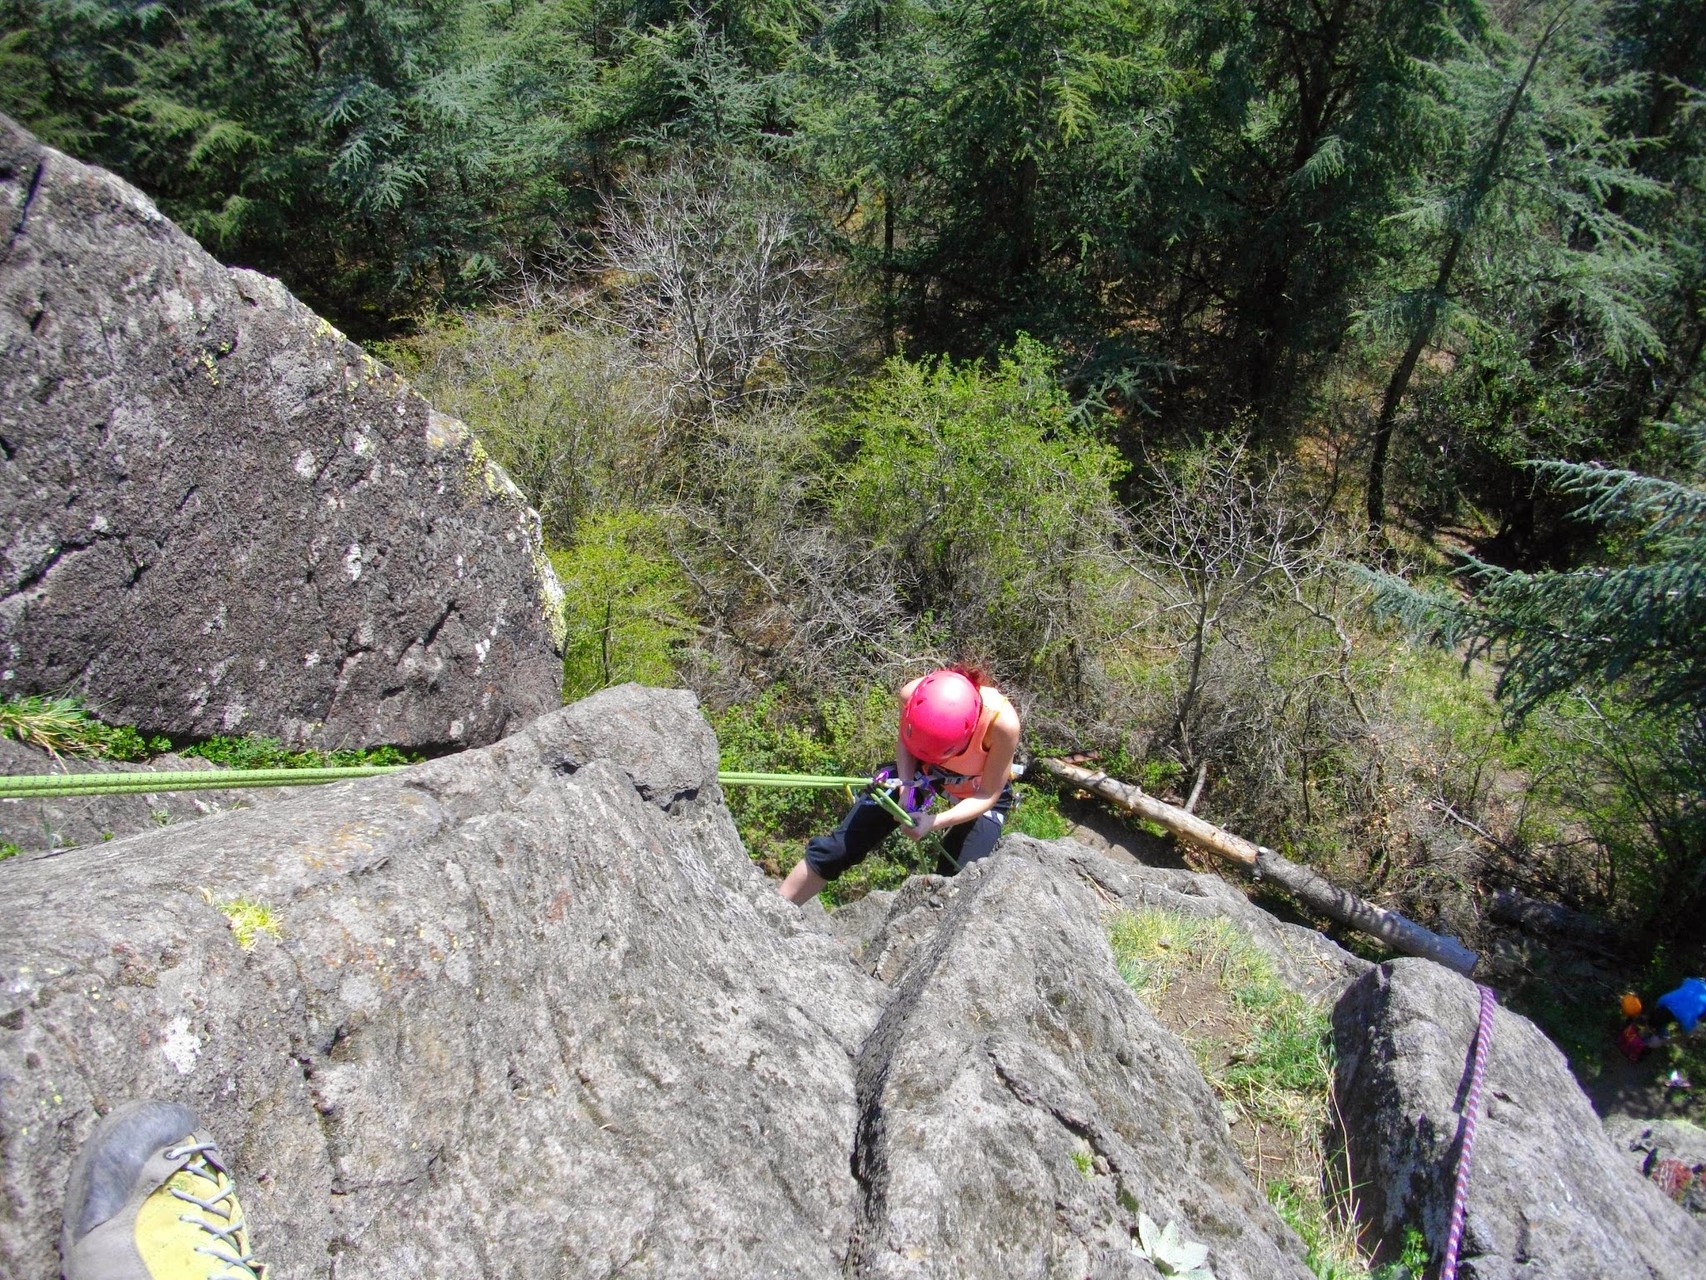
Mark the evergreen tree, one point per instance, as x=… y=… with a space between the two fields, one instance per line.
x=369 y=154
x=1521 y=223
x=981 y=154
x=1660 y=47
x=1304 y=126
x=1628 y=639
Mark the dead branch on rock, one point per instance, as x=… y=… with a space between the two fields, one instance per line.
x=1396 y=931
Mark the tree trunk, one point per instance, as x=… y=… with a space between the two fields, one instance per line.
x=1398 y=932
x=1511 y=907
x=890 y=311
x=1474 y=193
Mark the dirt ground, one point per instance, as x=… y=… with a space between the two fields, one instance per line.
x=1638 y=1089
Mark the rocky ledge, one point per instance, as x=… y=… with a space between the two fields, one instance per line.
x=531 y=1011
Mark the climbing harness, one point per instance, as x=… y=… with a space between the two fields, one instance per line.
x=1466 y=1139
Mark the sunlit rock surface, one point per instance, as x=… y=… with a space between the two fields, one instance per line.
x=217 y=515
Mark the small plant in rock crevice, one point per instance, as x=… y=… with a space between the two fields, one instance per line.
x=255 y=752
x=1264 y=1050
x=64 y=726
x=1171 y=1253
x=249 y=919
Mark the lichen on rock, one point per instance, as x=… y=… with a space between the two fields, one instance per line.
x=191 y=455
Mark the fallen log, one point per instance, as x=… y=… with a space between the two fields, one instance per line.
x=1308 y=887
x=1575 y=927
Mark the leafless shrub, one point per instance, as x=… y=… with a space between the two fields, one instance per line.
x=716 y=277
x=563 y=406
x=1257 y=673
x=785 y=595
x=1216 y=542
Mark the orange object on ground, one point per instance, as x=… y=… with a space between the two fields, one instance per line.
x=1631 y=1005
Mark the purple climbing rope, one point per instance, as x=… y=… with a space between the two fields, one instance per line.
x=1466 y=1139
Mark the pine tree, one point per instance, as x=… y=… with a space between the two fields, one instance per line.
x=1624 y=643
x=1304 y=126
x=1522 y=222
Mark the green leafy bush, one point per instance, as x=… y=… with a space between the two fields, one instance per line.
x=996 y=504
x=780 y=733
x=623 y=604
x=1038 y=815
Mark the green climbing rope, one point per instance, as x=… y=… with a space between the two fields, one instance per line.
x=734 y=778
x=90 y=784
x=98 y=784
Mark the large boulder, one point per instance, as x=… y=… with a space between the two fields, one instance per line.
x=222 y=516
x=528 y=1012
x=1549 y=1193
x=1019 y=1108
x=531 y=1011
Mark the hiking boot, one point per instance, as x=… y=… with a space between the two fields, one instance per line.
x=150 y=1199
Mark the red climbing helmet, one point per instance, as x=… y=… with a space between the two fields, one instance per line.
x=940 y=716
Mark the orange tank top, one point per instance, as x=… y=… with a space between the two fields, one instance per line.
x=962 y=774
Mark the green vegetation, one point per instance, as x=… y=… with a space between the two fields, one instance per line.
x=1604 y=668
x=993 y=502
x=565 y=410
x=64 y=726
x=1267 y=1054
x=623 y=605
x=1038 y=814
x=1171 y=1253
x=8 y=850
x=255 y=752
x=1086 y=341
x=249 y=919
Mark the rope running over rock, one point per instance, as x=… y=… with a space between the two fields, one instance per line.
x=1466 y=1140
x=166 y=781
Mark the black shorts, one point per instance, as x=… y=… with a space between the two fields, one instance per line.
x=868 y=824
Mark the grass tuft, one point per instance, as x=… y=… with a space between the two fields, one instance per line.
x=63 y=727
x=1266 y=1052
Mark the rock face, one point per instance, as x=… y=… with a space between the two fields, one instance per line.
x=1549 y=1193
x=518 y=1019
x=1018 y=1107
x=1671 y=1153
x=221 y=516
x=530 y=1011
x=57 y=822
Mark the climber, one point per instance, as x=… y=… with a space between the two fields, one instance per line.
x=150 y=1199
x=957 y=732
x=1683 y=1008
